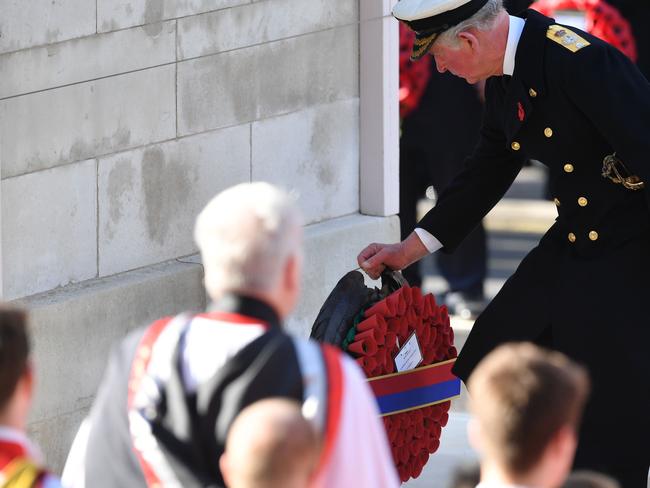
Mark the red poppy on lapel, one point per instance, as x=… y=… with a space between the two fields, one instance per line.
x=520 y=112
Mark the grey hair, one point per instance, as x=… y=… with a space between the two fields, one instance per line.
x=246 y=234
x=482 y=20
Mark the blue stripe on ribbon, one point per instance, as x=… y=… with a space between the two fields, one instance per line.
x=418 y=397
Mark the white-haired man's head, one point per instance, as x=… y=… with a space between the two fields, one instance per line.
x=250 y=237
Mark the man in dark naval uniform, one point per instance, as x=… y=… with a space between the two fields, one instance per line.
x=568 y=99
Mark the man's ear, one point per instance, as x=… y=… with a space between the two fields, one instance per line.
x=292 y=272
x=565 y=442
x=223 y=466
x=469 y=40
x=28 y=378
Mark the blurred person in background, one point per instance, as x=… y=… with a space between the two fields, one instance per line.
x=526 y=405
x=172 y=390
x=270 y=445
x=20 y=461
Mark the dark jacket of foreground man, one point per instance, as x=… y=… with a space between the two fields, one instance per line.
x=585 y=290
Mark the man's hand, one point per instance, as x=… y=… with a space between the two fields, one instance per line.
x=374 y=258
x=377 y=257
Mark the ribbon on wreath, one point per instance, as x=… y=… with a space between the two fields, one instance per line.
x=416 y=388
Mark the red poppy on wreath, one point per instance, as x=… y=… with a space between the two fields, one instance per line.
x=602 y=20
x=414 y=403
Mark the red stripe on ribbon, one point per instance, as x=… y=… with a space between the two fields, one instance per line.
x=416 y=378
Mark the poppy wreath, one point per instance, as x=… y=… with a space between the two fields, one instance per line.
x=603 y=21
x=413 y=429
x=372 y=325
x=413 y=75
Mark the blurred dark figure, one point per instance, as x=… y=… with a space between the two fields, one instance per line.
x=429 y=156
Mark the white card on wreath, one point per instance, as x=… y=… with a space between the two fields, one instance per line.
x=409 y=356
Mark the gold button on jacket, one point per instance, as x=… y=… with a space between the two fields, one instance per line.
x=548 y=132
x=582 y=201
x=568 y=168
x=593 y=235
x=532 y=93
x=572 y=237
x=515 y=146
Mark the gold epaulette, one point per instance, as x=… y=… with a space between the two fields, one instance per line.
x=566 y=37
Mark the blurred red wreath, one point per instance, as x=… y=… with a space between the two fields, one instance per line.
x=603 y=21
x=413 y=75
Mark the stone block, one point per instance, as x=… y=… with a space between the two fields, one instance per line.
x=331 y=250
x=49 y=229
x=267 y=80
x=238 y=27
x=46 y=129
x=87 y=58
x=315 y=153
x=118 y=14
x=36 y=22
x=55 y=435
x=74 y=329
x=150 y=197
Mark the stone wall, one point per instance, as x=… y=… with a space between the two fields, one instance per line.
x=120 y=119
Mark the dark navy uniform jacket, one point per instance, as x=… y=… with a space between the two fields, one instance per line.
x=585 y=290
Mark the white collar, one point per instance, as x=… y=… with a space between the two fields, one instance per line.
x=514 y=34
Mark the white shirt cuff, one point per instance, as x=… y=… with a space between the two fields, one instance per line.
x=431 y=243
